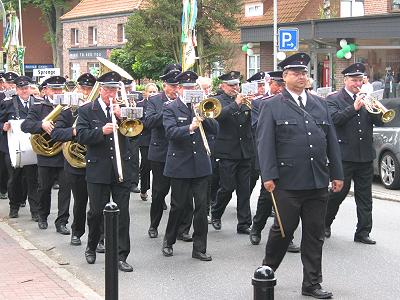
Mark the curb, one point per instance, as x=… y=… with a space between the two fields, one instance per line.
x=64 y=274
x=379 y=196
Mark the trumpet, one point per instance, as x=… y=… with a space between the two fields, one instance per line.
x=246 y=99
x=374 y=106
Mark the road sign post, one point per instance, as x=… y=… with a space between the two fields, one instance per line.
x=288 y=39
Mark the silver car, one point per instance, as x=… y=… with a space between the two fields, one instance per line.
x=387 y=147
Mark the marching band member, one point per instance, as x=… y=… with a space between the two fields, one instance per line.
x=188 y=167
x=95 y=130
x=50 y=168
x=22 y=181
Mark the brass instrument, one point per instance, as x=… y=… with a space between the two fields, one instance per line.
x=131 y=126
x=42 y=143
x=209 y=108
x=74 y=152
x=116 y=143
x=245 y=99
x=374 y=106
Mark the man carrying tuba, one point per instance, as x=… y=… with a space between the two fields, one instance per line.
x=50 y=166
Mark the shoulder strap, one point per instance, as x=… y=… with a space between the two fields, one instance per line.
x=16 y=107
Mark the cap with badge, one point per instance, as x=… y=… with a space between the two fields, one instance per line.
x=110 y=80
x=86 y=79
x=22 y=81
x=276 y=76
x=231 y=78
x=55 y=82
x=127 y=81
x=355 y=70
x=10 y=76
x=70 y=84
x=296 y=61
x=2 y=76
x=258 y=77
x=187 y=78
x=170 y=72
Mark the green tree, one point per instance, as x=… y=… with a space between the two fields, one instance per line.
x=154 y=34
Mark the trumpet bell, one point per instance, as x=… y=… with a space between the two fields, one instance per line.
x=131 y=128
x=75 y=153
x=388 y=116
x=210 y=108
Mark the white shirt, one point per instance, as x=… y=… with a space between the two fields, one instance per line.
x=104 y=107
x=24 y=101
x=295 y=96
x=350 y=93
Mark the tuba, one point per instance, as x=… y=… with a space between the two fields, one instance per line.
x=42 y=143
x=74 y=152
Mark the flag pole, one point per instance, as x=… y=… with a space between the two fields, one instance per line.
x=20 y=23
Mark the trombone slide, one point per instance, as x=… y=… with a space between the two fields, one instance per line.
x=116 y=143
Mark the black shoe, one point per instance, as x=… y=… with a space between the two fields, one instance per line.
x=318 y=293
x=365 y=240
x=293 y=248
x=153 y=233
x=23 y=204
x=42 y=224
x=90 y=256
x=143 y=196
x=75 y=240
x=255 y=237
x=164 y=206
x=135 y=189
x=185 y=237
x=167 y=249
x=56 y=186
x=328 y=232
x=35 y=217
x=243 y=231
x=100 y=247
x=202 y=256
x=216 y=223
x=62 y=229
x=124 y=266
x=13 y=213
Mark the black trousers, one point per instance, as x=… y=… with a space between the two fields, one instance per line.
x=99 y=196
x=264 y=208
x=183 y=191
x=79 y=191
x=254 y=174
x=134 y=149
x=145 y=169
x=47 y=176
x=3 y=173
x=22 y=183
x=362 y=175
x=213 y=185
x=310 y=206
x=234 y=175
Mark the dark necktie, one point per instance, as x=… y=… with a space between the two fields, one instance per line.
x=301 y=102
x=354 y=97
x=26 y=104
x=108 y=114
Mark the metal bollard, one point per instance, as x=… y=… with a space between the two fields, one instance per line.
x=263 y=282
x=111 y=216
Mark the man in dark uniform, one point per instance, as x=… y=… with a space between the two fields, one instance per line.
x=158 y=151
x=188 y=165
x=65 y=131
x=299 y=155
x=354 y=126
x=234 y=148
x=22 y=181
x=95 y=130
x=50 y=168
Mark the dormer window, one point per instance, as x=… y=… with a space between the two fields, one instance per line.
x=254 y=9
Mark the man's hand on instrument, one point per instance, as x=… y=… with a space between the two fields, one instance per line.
x=108 y=128
x=337 y=185
x=48 y=126
x=269 y=185
x=6 y=126
x=359 y=102
x=117 y=111
x=239 y=99
x=195 y=123
x=73 y=131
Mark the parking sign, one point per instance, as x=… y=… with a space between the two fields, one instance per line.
x=288 y=39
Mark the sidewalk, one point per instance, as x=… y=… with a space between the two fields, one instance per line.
x=27 y=273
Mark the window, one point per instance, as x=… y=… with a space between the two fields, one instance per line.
x=92 y=34
x=217 y=69
x=74 y=37
x=93 y=68
x=121 y=33
x=396 y=4
x=74 y=71
x=254 y=9
x=253 y=64
x=351 y=8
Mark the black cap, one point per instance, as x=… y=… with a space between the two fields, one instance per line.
x=187 y=78
x=2 y=75
x=110 y=79
x=22 y=81
x=231 y=78
x=127 y=81
x=258 y=77
x=357 y=69
x=86 y=79
x=55 y=82
x=276 y=76
x=170 y=77
x=10 y=76
x=70 y=84
x=295 y=61
x=172 y=67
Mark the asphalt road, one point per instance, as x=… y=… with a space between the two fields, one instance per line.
x=351 y=270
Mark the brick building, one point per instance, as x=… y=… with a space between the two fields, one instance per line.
x=92 y=29
x=370 y=24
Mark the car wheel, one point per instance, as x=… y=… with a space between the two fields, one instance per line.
x=389 y=170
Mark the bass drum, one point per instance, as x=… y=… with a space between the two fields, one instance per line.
x=19 y=146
